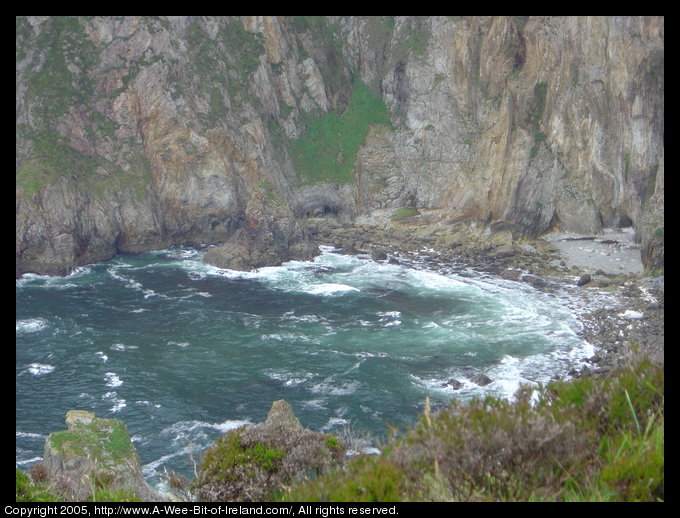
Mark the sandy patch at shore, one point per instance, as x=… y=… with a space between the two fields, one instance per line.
x=613 y=252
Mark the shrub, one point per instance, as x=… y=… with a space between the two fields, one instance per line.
x=364 y=479
x=254 y=462
x=27 y=491
x=590 y=439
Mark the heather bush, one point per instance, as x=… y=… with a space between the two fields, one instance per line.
x=592 y=439
x=254 y=462
x=491 y=450
x=362 y=479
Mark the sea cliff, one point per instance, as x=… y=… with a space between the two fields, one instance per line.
x=134 y=133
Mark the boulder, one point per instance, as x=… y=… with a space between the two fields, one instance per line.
x=453 y=383
x=269 y=236
x=94 y=453
x=584 y=279
x=378 y=255
x=480 y=379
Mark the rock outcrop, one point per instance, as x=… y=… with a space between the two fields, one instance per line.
x=269 y=236
x=249 y=463
x=93 y=453
x=134 y=133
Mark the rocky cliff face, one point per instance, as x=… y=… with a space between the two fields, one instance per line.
x=137 y=132
x=93 y=453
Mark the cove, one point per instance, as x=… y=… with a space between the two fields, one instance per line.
x=182 y=351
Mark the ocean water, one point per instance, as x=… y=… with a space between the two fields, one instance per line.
x=183 y=352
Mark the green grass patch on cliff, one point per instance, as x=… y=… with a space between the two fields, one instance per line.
x=59 y=73
x=326 y=152
x=52 y=157
x=404 y=213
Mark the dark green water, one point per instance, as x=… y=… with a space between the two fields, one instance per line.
x=182 y=352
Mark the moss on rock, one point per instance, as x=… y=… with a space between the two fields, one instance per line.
x=93 y=454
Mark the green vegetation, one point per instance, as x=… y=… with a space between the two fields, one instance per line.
x=102 y=438
x=229 y=453
x=535 y=115
x=62 y=79
x=416 y=41
x=270 y=194
x=34 y=489
x=592 y=439
x=220 y=66
x=254 y=463
x=365 y=479
x=587 y=440
x=404 y=213
x=52 y=157
x=327 y=150
x=58 y=78
x=29 y=491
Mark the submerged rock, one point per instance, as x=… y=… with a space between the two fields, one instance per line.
x=453 y=383
x=481 y=379
x=94 y=453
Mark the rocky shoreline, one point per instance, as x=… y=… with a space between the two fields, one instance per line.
x=621 y=309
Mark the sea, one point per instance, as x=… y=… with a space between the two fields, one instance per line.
x=182 y=352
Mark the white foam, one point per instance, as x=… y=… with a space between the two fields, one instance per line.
x=30 y=325
x=29 y=435
x=289 y=379
x=28 y=461
x=345 y=389
x=56 y=282
x=631 y=315
x=39 y=369
x=290 y=315
x=182 y=431
x=123 y=347
x=334 y=422
x=370 y=450
x=437 y=282
x=316 y=404
x=118 y=404
x=329 y=288
x=112 y=380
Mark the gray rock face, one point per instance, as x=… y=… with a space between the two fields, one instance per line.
x=93 y=453
x=269 y=236
x=134 y=133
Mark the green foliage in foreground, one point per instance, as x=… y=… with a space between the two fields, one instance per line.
x=27 y=491
x=593 y=439
x=327 y=150
x=587 y=440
